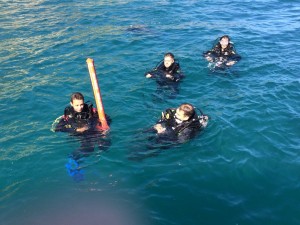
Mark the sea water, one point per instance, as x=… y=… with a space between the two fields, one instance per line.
x=242 y=169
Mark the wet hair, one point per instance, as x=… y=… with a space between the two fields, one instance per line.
x=170 y=55
x=76 y=95
x=225 y=36
x=188 y=109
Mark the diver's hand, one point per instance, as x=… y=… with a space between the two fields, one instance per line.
x=209 y=59
x=159 y=128
x=169 y=76
x=230 y=63
x=203 y=120
x=82 y=129
x=148 y=75
x=219 y=64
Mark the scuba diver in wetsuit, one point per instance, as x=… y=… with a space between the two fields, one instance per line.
x=81 y=120
x=180 y=124
x=223 y=53
x=167 y=74
x=176 y=126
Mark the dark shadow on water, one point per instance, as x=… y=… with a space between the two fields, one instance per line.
x=150 y=145
x=165 y=92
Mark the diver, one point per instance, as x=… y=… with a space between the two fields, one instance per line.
x=81 y=120
x=180 y=124
x=176 y=126
x=223 y=54
x=78 y=117
x=168 y=69
x=167 y=74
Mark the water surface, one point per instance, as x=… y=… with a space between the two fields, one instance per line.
x=243 y=169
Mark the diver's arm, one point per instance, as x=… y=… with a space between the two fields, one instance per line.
x=64 y=126
x=177 y=76
x=212 y=54
x=207 y=53
x=161 y=125
x=72 y=126
x=81 y=129
x=233 y=59
x=217 y=50
x=160 y=128
x=60 y=126
x=208 y=56
x=151 y=74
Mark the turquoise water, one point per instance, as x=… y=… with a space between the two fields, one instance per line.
x=243 y=169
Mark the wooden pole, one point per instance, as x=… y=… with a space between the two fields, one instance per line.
x=97 y=94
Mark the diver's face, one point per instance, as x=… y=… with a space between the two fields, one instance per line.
x=224 y=42
x=77 y=105
x=168 y=61
x=180 y=116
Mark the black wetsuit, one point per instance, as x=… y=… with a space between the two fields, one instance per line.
x=89 y=138
x=167 y=86
x=180 y=131
x=73 y=120
x=222 y=55
x=175 y=133
x=160 y=72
